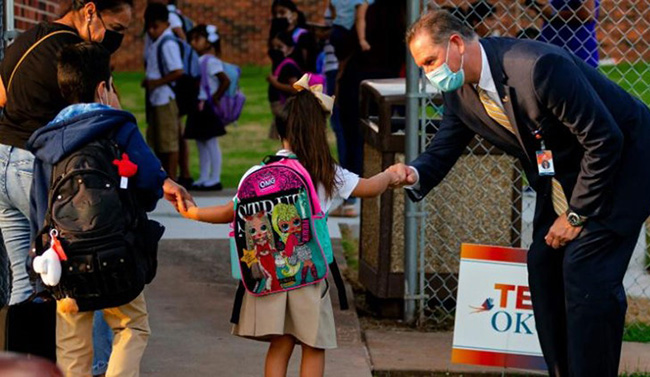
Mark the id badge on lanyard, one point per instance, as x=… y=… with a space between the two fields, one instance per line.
x=545 y=164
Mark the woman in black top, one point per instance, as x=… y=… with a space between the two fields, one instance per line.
x=31 y=98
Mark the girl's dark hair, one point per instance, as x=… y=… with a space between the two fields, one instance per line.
x=285 y=37
x=202 y=30
x=101 y=5
x=303 y=124
x=289 y=4
x=81 y=68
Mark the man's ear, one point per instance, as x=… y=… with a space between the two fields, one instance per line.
x=458 y=40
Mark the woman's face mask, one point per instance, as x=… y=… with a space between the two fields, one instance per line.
x=113 y=28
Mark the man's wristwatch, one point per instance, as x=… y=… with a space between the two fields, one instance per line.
x=574 y=219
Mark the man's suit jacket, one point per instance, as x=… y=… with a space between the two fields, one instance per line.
x=598 y=133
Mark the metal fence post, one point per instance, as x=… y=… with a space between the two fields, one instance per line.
x=411 y=151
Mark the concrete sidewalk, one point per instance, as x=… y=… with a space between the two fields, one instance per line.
x=190 y=303
x=421 y=354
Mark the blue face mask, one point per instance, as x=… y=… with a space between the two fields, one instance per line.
x=444 y=79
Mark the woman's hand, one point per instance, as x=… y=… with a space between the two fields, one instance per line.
x=177 y=195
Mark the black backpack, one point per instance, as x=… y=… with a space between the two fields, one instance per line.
x=110 y=244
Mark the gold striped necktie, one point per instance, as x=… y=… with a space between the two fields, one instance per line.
x=495 y=111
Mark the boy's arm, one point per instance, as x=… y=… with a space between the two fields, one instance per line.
x=169 y=78
x=216 y=214
x=150 y=177
x=360 y=25
x=371 y=187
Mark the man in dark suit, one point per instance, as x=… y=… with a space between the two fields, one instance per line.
x=527 y=97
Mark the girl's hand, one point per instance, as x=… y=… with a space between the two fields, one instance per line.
x=215 y=99
x=191 y=211
x=201 y=105
x=394 y=179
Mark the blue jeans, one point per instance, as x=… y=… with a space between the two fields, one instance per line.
x=16 y=167
x=102 y=343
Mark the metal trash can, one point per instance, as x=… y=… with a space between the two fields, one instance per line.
x=449 y=222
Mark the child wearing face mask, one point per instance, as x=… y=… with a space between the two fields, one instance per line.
x=286 y=71
x=287 y=17
x=85 y=81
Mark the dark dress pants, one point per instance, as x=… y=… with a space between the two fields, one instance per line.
x=578 y=298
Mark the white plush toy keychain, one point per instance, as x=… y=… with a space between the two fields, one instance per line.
x=48 y=264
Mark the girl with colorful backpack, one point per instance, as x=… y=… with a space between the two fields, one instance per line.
x=280 y=239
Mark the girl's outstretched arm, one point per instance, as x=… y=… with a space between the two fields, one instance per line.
x=216 y=214
x=376 y=185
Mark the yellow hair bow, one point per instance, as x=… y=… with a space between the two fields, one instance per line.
x=326 y=101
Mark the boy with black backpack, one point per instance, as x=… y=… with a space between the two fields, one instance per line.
x=95 y=248
x=172 y=83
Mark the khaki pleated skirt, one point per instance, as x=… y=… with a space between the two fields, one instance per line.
x=305 y=313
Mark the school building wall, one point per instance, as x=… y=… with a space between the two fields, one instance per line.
x=244 y=25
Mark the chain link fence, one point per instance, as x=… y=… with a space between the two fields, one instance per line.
x=485 y=198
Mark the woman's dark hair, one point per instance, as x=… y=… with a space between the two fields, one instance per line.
x=285 y=37
x=202 y=30
x=303 y=124
x=81 y=68
x=289 y=4
x=101 y=5
x=155 y=12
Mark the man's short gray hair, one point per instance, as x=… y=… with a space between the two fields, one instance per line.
x=439 y=25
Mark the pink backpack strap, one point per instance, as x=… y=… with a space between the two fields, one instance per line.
x=297 y=33
x=297 y=166
x=282 y=64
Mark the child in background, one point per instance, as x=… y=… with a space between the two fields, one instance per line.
x=302 y=316
x=287 y=17
x=204 y=125
x=286 y=72
x=162 y=118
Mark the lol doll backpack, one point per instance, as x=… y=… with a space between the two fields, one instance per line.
x=275 y=237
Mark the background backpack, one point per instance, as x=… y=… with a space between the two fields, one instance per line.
x=232 y=102
x=186 y=88
x=188 y=24
x=109 y=243
x=314 y=78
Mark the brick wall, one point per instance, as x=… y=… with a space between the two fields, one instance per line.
x=29 y=12
x=244 y=25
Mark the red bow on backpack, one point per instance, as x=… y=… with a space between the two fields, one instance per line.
x=126 y=169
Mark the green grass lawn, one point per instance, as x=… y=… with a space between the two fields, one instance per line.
x=635 y=78
x=245 y=144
